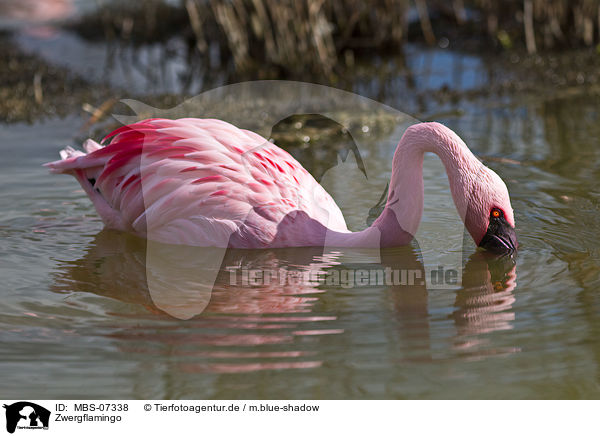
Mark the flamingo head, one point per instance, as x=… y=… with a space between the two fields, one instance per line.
x=489 y=218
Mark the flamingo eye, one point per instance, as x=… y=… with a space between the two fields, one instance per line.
x=496 y=213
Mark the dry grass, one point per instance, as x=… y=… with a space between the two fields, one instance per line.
x=277 y=38
x=541 y=24
x=309 y=34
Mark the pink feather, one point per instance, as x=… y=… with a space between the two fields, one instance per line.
x=204 y=182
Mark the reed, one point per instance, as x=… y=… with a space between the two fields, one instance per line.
x=542 y=24
x=314 y=35
x=279 y=38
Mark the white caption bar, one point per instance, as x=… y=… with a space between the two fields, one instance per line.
x=157 y=417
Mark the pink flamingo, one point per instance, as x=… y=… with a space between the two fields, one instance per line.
x=204 y=182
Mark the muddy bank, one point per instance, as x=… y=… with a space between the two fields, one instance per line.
x=31 y=88
x=34 y=85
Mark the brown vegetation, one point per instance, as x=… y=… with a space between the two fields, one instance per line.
x=321 y=35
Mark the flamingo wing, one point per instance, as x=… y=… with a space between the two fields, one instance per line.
x=200 y=182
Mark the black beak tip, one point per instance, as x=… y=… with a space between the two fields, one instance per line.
x=500 y=240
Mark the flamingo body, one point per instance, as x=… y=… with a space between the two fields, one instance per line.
x=205 y=182
x=201 y=182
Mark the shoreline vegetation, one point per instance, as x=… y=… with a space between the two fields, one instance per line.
x=541 y=47
x=321 y=36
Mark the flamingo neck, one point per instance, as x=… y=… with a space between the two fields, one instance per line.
x=404 y=208
x=401 y=217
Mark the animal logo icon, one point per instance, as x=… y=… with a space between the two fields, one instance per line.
x=26 y=415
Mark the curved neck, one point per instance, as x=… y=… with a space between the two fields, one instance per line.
x=405 y=198
x=401 y=217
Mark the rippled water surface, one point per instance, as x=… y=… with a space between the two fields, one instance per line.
x=81 y=316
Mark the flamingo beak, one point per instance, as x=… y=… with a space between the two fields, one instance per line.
x=500 y=237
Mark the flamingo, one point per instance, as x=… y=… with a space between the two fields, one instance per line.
x=207 y=183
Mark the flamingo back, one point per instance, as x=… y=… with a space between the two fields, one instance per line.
x=201 y=182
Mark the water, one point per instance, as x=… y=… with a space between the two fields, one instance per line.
x=78 y=319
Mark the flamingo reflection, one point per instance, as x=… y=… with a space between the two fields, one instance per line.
x=232 y=327
x=484 y=303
